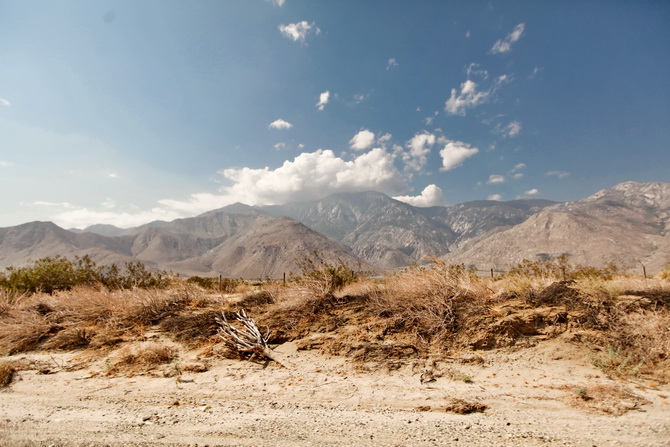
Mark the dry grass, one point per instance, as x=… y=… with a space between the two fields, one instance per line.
x=79 y=315
x=432 y=302
x=7 y=371
x=422 y=310
x=140 y=358
x=611 y=399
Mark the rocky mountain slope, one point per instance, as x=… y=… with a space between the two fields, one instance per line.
x=389 y=234
x=628 y=225
x=236 y=241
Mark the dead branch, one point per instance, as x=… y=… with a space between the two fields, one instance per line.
x=248 y=338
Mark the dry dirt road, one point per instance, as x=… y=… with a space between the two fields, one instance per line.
x=548 y=395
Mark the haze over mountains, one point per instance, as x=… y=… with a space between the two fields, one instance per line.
x=628 y=224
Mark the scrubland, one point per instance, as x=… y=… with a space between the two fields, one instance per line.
x=433 y=343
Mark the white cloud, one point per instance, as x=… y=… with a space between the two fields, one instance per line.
x=279 y=3
x=54 y=204
x=455 y=153
x=505 y=45
x=532 y=192
x=5 y=164
x=513 y=129
x=309 y=176
x=517 y=175
x=113 y=175
x=391 y=63
x=467 y=98
x=495 y=179
x=474 y=69
x=431 y=195
x=4 y=102
x=558 y=174
x=518 y=167
x=297 y=32
x=84 y=217
x=280 y=146
x=323 y=100
x=362 y=140
x=497 y=197
x=419 y=148
x=280 y=124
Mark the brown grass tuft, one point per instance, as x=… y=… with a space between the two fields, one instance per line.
x=141 y=357
x=7 y=371
x=431 y=302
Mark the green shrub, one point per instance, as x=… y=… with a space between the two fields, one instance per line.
x=51 y=274
x=325 y=277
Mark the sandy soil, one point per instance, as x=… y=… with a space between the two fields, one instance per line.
x=549 y=394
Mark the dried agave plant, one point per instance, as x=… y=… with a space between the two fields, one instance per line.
x=248 y=338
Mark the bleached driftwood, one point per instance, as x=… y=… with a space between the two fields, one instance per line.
x=248 y=338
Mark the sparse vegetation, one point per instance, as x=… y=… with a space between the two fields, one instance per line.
x=423 y=310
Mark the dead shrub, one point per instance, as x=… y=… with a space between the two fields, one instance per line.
x=432 y=302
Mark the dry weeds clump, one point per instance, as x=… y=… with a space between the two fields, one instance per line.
x=7 y=371
x=78 y=316
x=611 y=399
x=140 y=357
x=432 y=302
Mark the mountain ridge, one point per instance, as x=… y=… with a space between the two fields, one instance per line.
x=628 y=224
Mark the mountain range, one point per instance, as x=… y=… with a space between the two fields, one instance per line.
x=628 y=224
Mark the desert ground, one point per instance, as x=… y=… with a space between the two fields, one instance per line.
x=548 y=394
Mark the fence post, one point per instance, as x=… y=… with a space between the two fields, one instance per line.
x=491 y=272
x=644 y=271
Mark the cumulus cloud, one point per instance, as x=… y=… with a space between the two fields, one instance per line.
x=467 y=98
x=431 y=195
x=279 y=3
x=505 y=45
x=362 y=140
x=5 y=164
x=323 y=100
x=497 y=197
x=280 y=124
x=309 y=176
x=4 y=102
x=455 y=153
x=419 y=148
x=532 y=192
x=558 y=174
x=391 y=63
x=495 y=179
x=518 y=167
x=298 y=31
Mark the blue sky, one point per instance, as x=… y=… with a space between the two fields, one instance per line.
x=124 y=112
